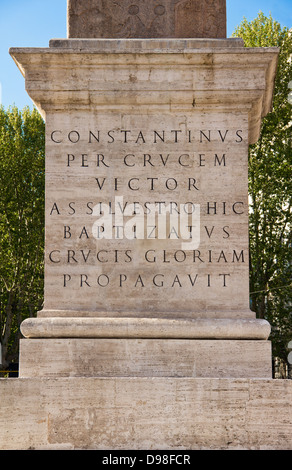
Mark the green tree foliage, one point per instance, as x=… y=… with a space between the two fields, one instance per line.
x=270 y=188
x=22 y=156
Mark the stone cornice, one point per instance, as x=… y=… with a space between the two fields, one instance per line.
x=151 y=75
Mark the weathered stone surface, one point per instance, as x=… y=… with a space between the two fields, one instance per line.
x=124 y=46
x=78 y=357
x=182 y=106
x=149 y=127
x=88 y=325
x=146 y=18
x=120 y=115
x=197 y=18
x=135 y=123
x=145 y=413
x=125 y=114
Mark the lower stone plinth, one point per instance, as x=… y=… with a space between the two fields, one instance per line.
x=145 y=413
x=109 y=357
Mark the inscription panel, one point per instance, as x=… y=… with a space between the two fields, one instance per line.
x=147 y=215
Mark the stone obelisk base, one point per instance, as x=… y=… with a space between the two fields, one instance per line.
x=91 y=383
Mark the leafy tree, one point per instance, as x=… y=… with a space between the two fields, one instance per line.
x=270 y=189
x=22 y=143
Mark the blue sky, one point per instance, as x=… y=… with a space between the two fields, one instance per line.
x=32 y=23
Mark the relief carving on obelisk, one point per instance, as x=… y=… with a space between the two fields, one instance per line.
x=147 y=19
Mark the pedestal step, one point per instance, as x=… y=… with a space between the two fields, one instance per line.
x=101 y=357
x=145 y=413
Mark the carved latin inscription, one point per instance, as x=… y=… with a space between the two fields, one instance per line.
x=143 y=214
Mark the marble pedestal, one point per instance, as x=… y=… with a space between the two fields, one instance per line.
x=145 y=344
x=137 y=122
x=118 y=347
